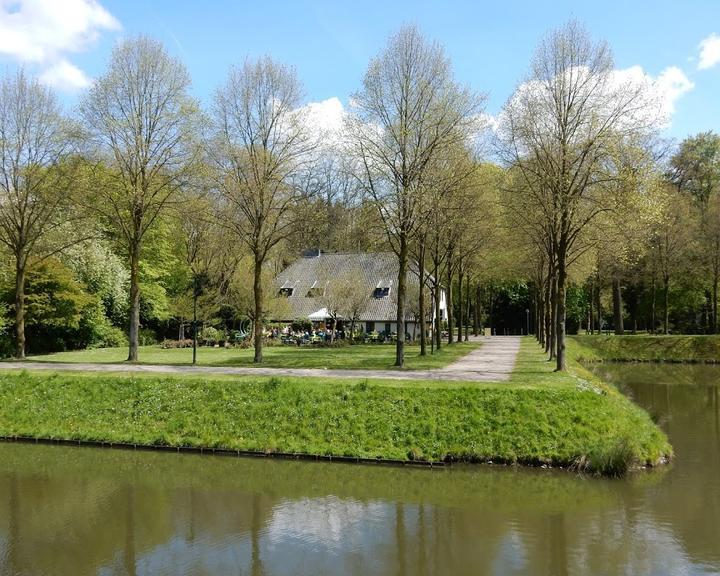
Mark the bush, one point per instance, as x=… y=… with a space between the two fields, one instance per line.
x=107 y=336
x=211 y=336
x=147 y=337
x=168 y=344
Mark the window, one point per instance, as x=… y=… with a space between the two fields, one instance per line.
x=315 y=291
x=381 y=292
x=286 y=292
x=370 y=326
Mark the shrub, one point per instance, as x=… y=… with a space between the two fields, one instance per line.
x=168 y=344
x=109 y=337
x=147 y=337
x=211 y=336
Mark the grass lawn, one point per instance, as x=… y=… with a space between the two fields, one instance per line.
x=648 y=348
x=360 y=356
x=537 y=417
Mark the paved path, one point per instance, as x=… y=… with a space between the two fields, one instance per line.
x=491 y=362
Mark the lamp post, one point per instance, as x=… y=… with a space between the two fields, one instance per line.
x=527 y=321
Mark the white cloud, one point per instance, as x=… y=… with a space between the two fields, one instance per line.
x=671 y=85
x=325 y=120
x=65 y=76
x=709 y=52
x=43 y=32
x=325 y=116
x=660 y=93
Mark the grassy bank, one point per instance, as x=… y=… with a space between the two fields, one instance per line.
x=645 y=348
x=360 y=356
x=538 y=417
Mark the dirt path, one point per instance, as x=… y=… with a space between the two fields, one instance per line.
x=492 y=362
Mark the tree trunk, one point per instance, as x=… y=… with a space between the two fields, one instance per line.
x=561 y=311
x=421 y=297
x=467 y=308
x=476 y=312
x=617 y=308
x=598 y=294
x=548 y=310
x=449 y=302
x=540 y=314
x=195 y=323
x=20 y=265
x=460 y=306
x=553 y=315
x=666 y=312
x=716 y=283
x=257 y=320
x=653 y=319
x=437 y=334
x=402 y=273
x=134 y=302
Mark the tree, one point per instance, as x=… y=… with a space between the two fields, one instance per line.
x=259 y=149
x=695 y=169
x=209 y=257
x=409 y=109
x=673 y=242
x=35 y=180
x=140 y=119
x=343 y=298
x=560 y=130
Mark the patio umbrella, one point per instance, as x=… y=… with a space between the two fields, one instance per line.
x=319 y=315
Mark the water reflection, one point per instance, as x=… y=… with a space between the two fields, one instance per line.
x=77 y=511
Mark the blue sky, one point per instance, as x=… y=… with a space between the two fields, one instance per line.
x=68 y=42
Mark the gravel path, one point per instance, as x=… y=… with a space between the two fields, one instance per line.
x=491 y=362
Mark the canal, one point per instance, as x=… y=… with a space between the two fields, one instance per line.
x=76 y=511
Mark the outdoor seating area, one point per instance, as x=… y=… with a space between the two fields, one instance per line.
x=322 y=335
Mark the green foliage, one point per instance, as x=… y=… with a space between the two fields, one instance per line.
x=104 y=274
x=54 y=299
x=644 y=348
x=147 y=337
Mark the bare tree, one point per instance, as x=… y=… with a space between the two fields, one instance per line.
x=345 y=298
x=559 y=130
x=260 y=147
x=140 y=117
x=209 y=256
x=35 y=179
x=409 y=110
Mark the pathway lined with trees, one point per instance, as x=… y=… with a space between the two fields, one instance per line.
x=493 y=361
x=144 y=218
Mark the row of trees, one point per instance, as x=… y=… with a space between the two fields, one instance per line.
x=197 y=210
x=240 y=180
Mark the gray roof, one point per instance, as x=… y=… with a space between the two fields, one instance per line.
x=373 y=270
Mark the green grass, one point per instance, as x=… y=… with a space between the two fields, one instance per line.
x=647 y=348
x=361 y=356
x=538 y=417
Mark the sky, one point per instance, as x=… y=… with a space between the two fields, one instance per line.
x=674 y=45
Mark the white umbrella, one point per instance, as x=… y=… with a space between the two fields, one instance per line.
x=321 y=314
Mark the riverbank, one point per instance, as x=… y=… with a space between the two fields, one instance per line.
x=648 y=348
x=537 y=418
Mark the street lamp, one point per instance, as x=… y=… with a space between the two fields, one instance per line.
x=527 y=321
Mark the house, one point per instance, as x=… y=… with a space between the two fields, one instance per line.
x=304 y=283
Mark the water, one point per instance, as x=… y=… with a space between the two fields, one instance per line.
x=76 y=511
